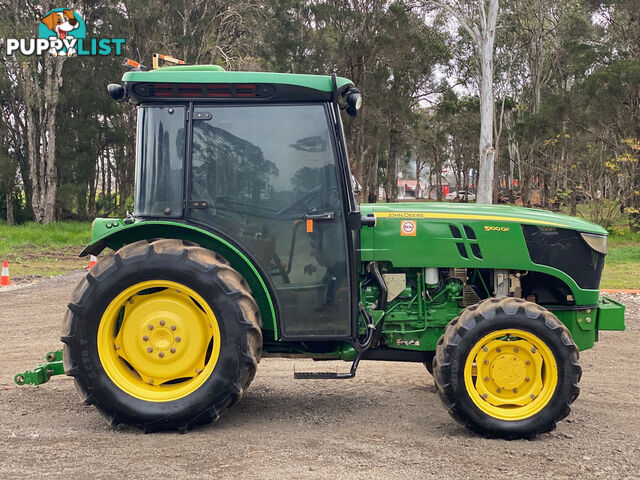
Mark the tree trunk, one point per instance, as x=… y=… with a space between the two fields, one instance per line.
x=41 y=135
x=438 y=176
x=487 y=151
x=8 y=197
x=391 y=184
x=370 y=182
x=418 y=170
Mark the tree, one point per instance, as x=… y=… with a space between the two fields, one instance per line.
x=41 y=79
x=479 y=19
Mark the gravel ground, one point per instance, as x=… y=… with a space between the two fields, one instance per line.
x=385 y=423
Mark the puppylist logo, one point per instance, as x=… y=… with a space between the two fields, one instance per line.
x=62 y=32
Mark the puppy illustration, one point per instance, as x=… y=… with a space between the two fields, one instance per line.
x=61 y=23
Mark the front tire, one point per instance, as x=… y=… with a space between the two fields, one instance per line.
x=163 y=335
x=507 y=368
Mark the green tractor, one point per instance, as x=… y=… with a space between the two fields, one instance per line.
x=246 y=242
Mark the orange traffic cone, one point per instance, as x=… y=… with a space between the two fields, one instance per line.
x=92 y=261
x=5 y=279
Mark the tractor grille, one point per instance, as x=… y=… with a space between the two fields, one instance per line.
x=565 y=250
x=471 y=241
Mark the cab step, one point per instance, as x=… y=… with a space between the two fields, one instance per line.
x=329 y=375
x=322 y=375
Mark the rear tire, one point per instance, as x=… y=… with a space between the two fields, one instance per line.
x=507 y=368
x=169 y=279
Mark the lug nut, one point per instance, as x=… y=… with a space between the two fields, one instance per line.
x=527 y=379
x=173 y=327
x=161 y=354
x=198 y=370
x=173 y=350
x=533 y=397
x=150 y=382
x=528 y=362
x=485 y=349
x=486 y=362
x=515 y=390
x=484 y=395
x=149 y=349
x=145 y=338
x=117 y=347
x=150 y=327
x=178 y=339
x=486 y=379
x=162 y=323
x=498 y=349
x=516 y=350
x=533 y=349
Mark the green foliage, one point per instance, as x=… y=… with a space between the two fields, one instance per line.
x=35 y=236
x=40 y=250
x=622 y=267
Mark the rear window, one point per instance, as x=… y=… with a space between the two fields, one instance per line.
x=159 y=161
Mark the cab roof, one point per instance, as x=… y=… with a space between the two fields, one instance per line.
x=216 y=74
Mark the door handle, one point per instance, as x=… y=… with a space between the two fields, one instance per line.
x=321 y=217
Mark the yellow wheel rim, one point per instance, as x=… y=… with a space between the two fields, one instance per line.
x=158 y=341
x=511 y=374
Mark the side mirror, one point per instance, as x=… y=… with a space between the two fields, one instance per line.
x=116 y=91
x=354 y=102
x=355 y=185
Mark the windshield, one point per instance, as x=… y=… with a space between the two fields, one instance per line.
x=159 y=158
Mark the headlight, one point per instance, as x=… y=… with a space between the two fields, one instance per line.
x=597 y=242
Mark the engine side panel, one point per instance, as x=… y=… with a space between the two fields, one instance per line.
x=465 y=236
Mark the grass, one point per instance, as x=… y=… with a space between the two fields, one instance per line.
x=44 y=250
x=622 y=265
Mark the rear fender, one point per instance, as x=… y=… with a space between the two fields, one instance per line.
x=115 y=234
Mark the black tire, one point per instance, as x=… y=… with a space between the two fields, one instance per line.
x=471 y=326
x=202 y=270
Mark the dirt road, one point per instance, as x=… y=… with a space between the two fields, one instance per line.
x=385 y=423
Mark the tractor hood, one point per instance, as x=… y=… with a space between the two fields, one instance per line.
x=471 y=236
x=489 y=214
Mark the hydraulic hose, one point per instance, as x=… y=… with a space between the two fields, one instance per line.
x=371 y=328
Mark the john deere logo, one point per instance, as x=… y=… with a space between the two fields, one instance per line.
x=408 y=228
x=62 y=32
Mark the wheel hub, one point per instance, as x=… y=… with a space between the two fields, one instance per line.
x=163 y=342
x=508 y=371
x=161 y=339
x=510 y=374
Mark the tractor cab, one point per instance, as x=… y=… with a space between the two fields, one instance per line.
x=256 y=158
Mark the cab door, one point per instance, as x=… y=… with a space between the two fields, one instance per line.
x=266 y=176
